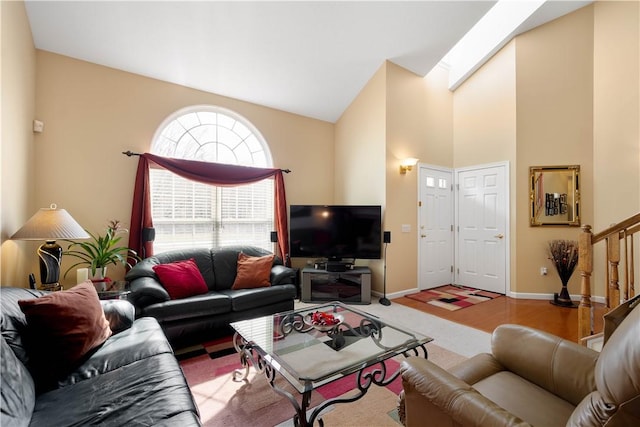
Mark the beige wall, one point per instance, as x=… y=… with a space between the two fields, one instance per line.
x=360 y=146
x=554 y=69
x=93 y=113
x=409 y=101
x=484 y=113
x=439 y=119
x=616 y=126
x=17 y=83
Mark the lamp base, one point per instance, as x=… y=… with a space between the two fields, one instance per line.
x=51 y=287
x=50 y=254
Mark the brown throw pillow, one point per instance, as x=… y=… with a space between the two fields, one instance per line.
x=253 y=272
x=63 y=327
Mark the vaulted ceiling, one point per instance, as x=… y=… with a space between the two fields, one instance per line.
x=308 y=58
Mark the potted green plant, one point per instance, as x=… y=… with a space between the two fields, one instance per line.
x=100 y=251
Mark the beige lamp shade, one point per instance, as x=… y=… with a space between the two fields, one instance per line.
x=50 y=224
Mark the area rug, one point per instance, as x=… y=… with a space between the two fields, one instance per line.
x=452 y=297
x=225 y=402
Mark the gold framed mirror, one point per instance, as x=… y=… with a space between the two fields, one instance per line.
x=554 y=195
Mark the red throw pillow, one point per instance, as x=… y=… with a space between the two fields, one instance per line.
x=181 y=279
x=253 y=272
x=63 y=327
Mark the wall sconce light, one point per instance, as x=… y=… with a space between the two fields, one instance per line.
x=407 y=164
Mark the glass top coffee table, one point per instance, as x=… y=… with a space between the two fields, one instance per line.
x=309 y=355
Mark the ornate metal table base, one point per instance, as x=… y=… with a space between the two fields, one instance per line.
x=376 y=373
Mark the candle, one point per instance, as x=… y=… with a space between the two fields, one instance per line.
x=82 y=274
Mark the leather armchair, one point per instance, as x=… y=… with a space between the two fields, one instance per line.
x=531 y=378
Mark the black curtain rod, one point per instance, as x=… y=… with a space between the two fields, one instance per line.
x=130 y=153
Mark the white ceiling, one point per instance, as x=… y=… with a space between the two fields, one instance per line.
x=308 y=58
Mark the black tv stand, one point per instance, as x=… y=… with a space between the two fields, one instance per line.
x=350 y=286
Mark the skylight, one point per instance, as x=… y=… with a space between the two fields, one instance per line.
x=489 y=35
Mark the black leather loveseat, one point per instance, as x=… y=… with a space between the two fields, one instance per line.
x=197 y=318
x=131 y=379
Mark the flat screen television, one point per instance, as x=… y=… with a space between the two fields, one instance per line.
x=335 y=232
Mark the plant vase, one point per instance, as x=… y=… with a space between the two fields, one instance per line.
x=100 y=275
x=563 y=299
x=83 y=274
x=564 y=254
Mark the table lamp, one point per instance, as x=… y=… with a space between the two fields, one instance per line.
x=50 y=224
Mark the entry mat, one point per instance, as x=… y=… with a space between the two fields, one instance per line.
x=452 y=297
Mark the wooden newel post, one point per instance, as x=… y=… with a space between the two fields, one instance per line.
x=585 y=265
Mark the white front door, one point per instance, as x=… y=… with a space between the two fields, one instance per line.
x=482 y=210
x=435 y=227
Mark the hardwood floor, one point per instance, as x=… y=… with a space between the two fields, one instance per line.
x=486 y=316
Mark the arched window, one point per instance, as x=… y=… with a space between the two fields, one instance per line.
x=190 y=214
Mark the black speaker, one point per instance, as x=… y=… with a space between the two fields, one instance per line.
x=274 y=236
x=386 y=238
x=148 y=234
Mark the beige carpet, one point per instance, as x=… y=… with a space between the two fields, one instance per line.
x=224 y=402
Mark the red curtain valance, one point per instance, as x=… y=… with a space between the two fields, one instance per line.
x=208 y=173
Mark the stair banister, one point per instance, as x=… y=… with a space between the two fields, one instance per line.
x=622 y=231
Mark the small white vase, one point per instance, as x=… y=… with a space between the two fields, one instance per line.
x=101 y=273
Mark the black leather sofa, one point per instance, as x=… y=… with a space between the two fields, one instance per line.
x=198 y=318
x=132 y=379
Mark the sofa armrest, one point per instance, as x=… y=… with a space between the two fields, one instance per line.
x=119 y=313
x=431 y=393
x=544 y=359
x=281 y=275
x=146 y=291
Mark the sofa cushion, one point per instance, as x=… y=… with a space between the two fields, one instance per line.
x=209 y=304
x=201 y=256
x=181 y=279
x=18 y=389
x=252 y=272
x=144 y=393
x=541 y=408
x=142 y=340
x=247 y=299
x=63 y=327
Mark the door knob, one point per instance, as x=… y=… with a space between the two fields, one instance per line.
x=499 y=236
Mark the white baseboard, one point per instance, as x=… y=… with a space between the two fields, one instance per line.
x=549 y=297
x=396 y=294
